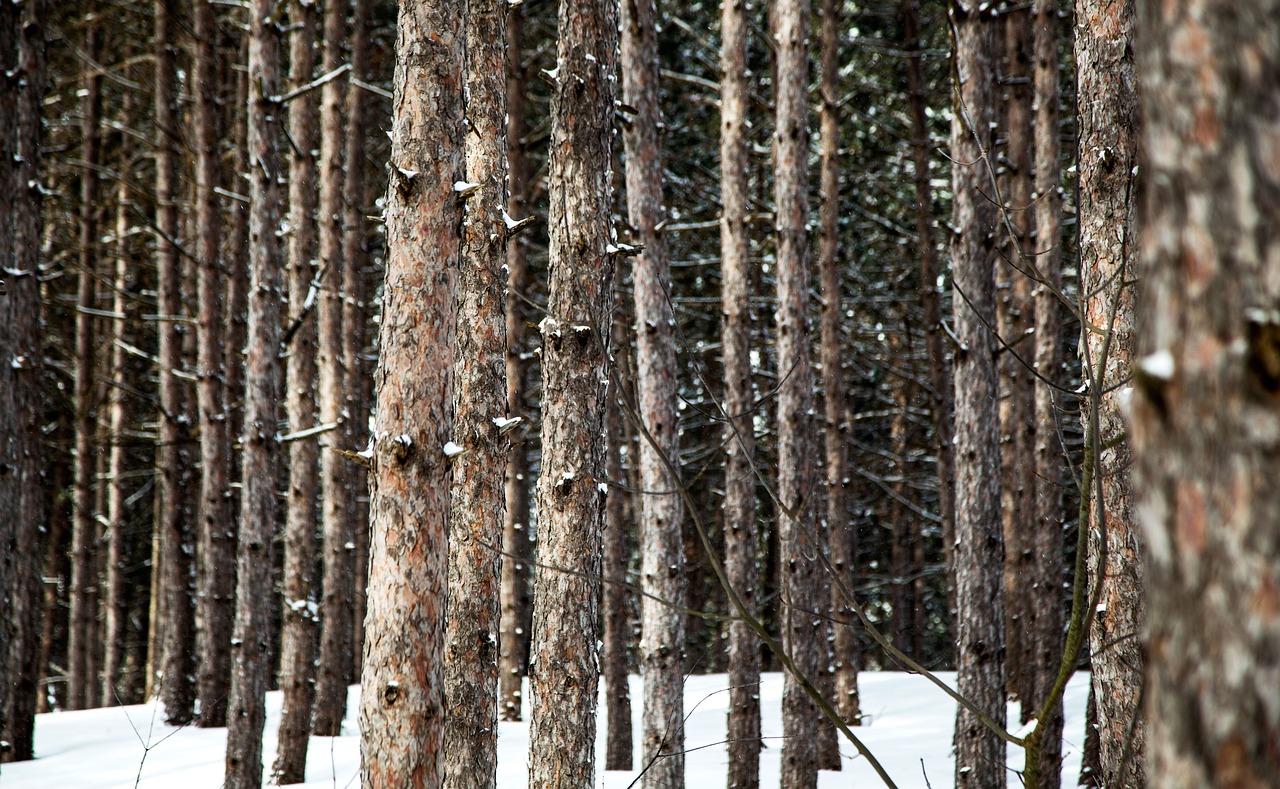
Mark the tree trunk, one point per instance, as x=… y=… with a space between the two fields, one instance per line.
x=334 y=667
x=516 y=611
x=298 y=615
x=10 y=417
x=979 y=553
x=1046 y=624
x=740 y=534
x=841 y=536
x=252 y=639
x=1017 y=395
x=1205 y=421
x=480 y=402
x=617 y=554
x=20 y=450
x=176 y=639
x=802 y=630
x=80 y=640
x=354 y=320
x=237 y=294
x=662 y=643
x=939 y=372
x=1108 y=158
x=402 y=700
x=215 y=571
x=564 y=672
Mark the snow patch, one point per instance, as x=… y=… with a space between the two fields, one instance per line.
x=1158 y=365
x=452 y=450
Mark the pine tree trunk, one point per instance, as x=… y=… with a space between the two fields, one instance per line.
x=354 y=320
x=402 y=700
x=740 y=536
x=215 y=572
x=253 y=634
x=979 y=553
x=515 y=603
x=80 y=637
x=1205 y=417
x=237 y=293
x=1017 y=396
x=939 y=368
x=619 y=750
x=802 y=629
x=564 y=672
x=1046 y=625
x=662 y=580
x=173 y=456
x=298 y=615
x=10 y=417
x=20 y=449
x=334 y=667
x=480 y=400
x=1108 y=160
x=841 y=538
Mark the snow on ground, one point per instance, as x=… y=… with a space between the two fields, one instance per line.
x=909 y=732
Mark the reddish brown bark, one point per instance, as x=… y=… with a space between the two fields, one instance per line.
x=402 y=687
x=617 y=553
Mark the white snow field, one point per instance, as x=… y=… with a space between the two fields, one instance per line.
x=909 y=732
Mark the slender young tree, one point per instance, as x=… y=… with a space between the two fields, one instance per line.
x=841 y=536
x=564 y=672
x=480 y=401
x=803 y=632
x=215 y=571
x=402 y=700
x=10 y=417
x=1046 y=625
x=1108 y=166
x=662 y=578
x=298 y=617
x=253 y=632
x=1205 y=417
x=619 y=750
x=334 y=667
x=82 y=678
x=515 y=603
x=739 y=499
x=979 y=552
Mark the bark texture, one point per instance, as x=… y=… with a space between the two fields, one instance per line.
x=1108 y=159
x=215 y=577
x=10 y=417
x=1206 y=421
x=480 y=401
x=563 y=666
x=735 y=332
x=842 y=538
x=253 y=635
x=803 y=633
x=334 y=667
x=298 y=614
x=617 y=553
x=979 y=552
x=662 y=579
x=402 y=686
x=515 y=602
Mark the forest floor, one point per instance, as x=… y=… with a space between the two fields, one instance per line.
x=909 y=731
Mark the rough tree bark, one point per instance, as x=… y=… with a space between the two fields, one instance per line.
x=334 y=667
x=619 y=749
x=82 y=679
x=480 y=402
x=803 y=633
x=215 y=600
x=1108 y=158
x=20 y=450
x=662 y=642
x=1046 y=623
x=298 y=614
x=252 y=636
x=842 y=537
x=402 y=700
x=1206 y=426
x=735 y=331
x=979 y=552
x=10 y=417
x=515 y=603
x=563 y=667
